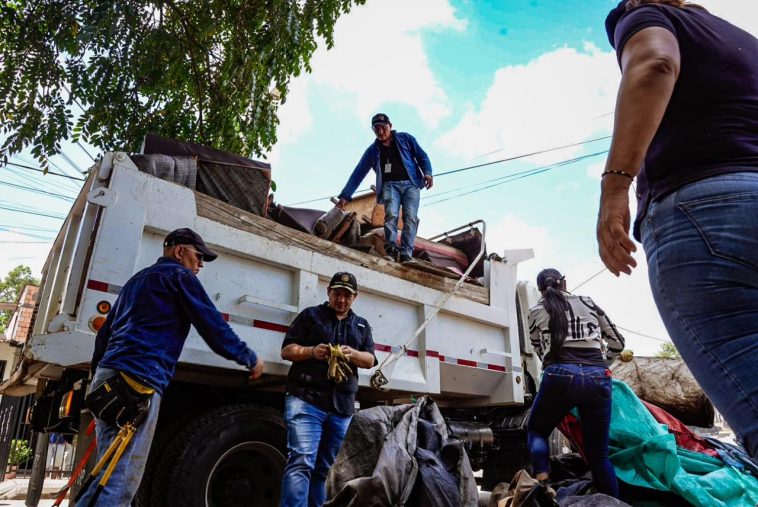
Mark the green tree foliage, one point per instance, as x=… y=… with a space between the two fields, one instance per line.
x=668 y=350
x=10 y=288
x=211 y=72
x=19 y=452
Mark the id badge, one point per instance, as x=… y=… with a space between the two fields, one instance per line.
x=387 y=168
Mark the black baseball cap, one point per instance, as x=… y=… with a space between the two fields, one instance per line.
x=380 y=119
x=344 y=280
x=548 y=278
x=186 y=236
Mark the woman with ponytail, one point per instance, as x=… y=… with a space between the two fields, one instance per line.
x=571 y=335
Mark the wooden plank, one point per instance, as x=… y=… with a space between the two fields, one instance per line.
x=221 y=212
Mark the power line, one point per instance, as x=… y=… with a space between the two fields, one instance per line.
x=525 y=155
x=26 y=228
x=590 y=278
x=27 y=242
x=513 y=177
x=51 y=183
x=42 y=171
x=467 y=168
x=37 y=191
x=27 y=234
x=643 y=334
x=31 y=212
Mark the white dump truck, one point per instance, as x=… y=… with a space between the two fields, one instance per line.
x=220 y=434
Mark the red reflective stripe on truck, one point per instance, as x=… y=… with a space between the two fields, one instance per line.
x=103 y=287
x=225 y=316
x=271 y=326
x=382 y=348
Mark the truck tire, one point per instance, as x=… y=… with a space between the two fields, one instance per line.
x=227 y=457
x=161 y=441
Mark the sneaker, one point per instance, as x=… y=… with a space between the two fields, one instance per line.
x=391 y=256
x=406 y=259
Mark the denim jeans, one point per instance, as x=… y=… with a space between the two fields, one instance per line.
x=313 y=438
x=124 y=483
x=563 y=387
x=397 y=194
x=701 y=244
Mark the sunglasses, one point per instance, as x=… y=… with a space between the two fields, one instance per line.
x=198 y=255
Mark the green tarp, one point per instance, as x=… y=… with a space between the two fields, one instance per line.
x=645 y=454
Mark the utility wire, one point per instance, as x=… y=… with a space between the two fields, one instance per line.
x=590 y=278
x=517 y=176
x=63 y=184
x=643 y=334
x=525 y=155
x=467 y=168
x=41 y=171
x=37 y=191
x=31 y=212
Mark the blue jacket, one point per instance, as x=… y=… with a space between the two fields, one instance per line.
x=145 y=330
x=415 y=159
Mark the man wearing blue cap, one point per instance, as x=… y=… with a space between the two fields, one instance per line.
x=402 y=169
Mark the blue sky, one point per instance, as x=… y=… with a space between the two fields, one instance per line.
x=474 y=82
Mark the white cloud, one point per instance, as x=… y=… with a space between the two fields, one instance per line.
x=559 y=97
x=511 y=233
x=378 y=58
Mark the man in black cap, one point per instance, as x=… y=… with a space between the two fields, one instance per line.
x=402 y=169
x=138 y=348
x=318 y=408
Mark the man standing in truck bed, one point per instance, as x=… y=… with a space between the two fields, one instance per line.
x=318 y=408
x=137 y=349
x=402 y=169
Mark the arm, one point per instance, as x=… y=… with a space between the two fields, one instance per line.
x=293 y=346
x=360 y=171
x=211 y=325
x=615 y=339
x=650 y=65
x=535 y=333
x=422 y=159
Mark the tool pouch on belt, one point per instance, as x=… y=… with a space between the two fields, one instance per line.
x=120 y=400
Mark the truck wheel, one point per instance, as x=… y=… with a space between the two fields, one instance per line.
x=231 y=456
x=161 y=441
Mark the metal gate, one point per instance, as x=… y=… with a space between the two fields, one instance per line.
x=17 y=442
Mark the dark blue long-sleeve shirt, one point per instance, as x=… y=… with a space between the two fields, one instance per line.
x=145 y=330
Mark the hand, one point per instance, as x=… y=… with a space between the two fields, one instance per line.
x=613 y=220
x=428 y=181
x=257 y=370
x=341 y=203
x=348 y=352
x=320 y=352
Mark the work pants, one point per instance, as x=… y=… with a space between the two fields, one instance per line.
x=314 y=437
x=124 y=483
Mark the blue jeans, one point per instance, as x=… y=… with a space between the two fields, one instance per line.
x=397 y=194
x=563 y=387
x=124 y=482
x=701 y=244
x=313 y=438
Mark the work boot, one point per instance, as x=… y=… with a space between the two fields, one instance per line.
x=391 y=255
x=406 y=259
